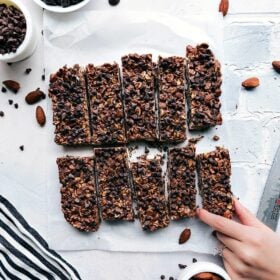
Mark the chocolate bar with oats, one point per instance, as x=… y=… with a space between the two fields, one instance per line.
x=78 y=192
x=67 y=90
x=106 y=108
x=214 y=171
x=149 y=191
x=139 y=97
x=181 y=169
x=204 y=88
x=172 y=103
x=114 y=187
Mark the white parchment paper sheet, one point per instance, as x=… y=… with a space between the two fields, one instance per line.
x=99 y=37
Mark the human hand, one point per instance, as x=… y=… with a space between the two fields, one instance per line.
x=251 y=248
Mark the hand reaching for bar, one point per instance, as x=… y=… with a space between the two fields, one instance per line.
x=252 y=250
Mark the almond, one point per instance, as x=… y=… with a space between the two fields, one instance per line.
x=40 y=116
x=184 y=236
x=251 y=83
x=223 y=8
x=276 y=65
x=204 y=276
x=34 y=96
x=12 y=85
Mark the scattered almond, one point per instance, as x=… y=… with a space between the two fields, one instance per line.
x=40 y=116
x=34 y=96
x=12 y=85
x=184 y=236
x=276 y=65
x=251 y=83
x=223 y=8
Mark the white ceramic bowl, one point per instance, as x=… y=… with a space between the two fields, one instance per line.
x=58 y=9
x=30 y=41
x=199 y=267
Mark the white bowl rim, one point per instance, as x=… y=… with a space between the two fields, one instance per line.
x=200 y=267
x=29 y=29
x=59 y=9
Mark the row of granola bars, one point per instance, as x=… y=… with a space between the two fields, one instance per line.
x=101 y=105
x=106 y=185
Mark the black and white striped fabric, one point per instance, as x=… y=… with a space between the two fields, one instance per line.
x=24 y=254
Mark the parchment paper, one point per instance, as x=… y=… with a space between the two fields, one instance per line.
x=99 y=37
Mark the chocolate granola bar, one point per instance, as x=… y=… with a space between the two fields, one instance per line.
x=106 y=108
x=114 y=188
x=78 y=192
x=70 y=110
x=214 y=171
x=172 y=103
x=181 y=168
x=204 y=88
x=149 y=189
x=139 y=97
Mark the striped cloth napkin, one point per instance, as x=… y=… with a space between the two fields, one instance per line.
x=24 y=254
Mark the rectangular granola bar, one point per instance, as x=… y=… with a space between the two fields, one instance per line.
x=149 y=189
x=114 y=188
x=78 y=192
x=181 y=169
x=214 y=171
x=172 y=103
x=204 y=88
x=139 y=97
x=67 y=90
x=106 y=108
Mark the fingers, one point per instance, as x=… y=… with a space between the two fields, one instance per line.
x=230 y=271
x=245 y=216
x=223 y=225
x=235 y=265
x=232 y=244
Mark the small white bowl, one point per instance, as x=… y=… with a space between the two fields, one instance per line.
x=28 y=46
x=58 y=9
x=200 y=267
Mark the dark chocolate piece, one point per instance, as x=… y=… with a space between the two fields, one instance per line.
x=114 y=188
x=172 y=103
x=204 y=88
x=214 y=171
x=70 y=110
x=106 y=108
x=181 y=169
x=149 y=189
x=78 y=192
x=139 y=97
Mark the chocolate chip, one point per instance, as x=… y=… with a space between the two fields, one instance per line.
x=194 y=260
x=182 y=266
x=27 y=71
x=2 y=114
x=146 y=150
x=162 y=277
x=21 y=148
x=216 y=138
x=171 y=278
x=4 y=89
x=11 y=102
x=114 y=2
x=16 y=105
x=43 y=77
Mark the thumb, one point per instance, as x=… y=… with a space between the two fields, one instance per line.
x=245 y=216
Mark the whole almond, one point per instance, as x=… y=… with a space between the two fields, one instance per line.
x=203 y=276
x=223 y=7
x=12 y=85
x=276 y=65
x=251 y=83
x=34 y=96
x=184 y=236
x=40 y=116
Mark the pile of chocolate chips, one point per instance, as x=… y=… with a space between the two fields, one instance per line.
x=62 y=3
x=12 y=28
